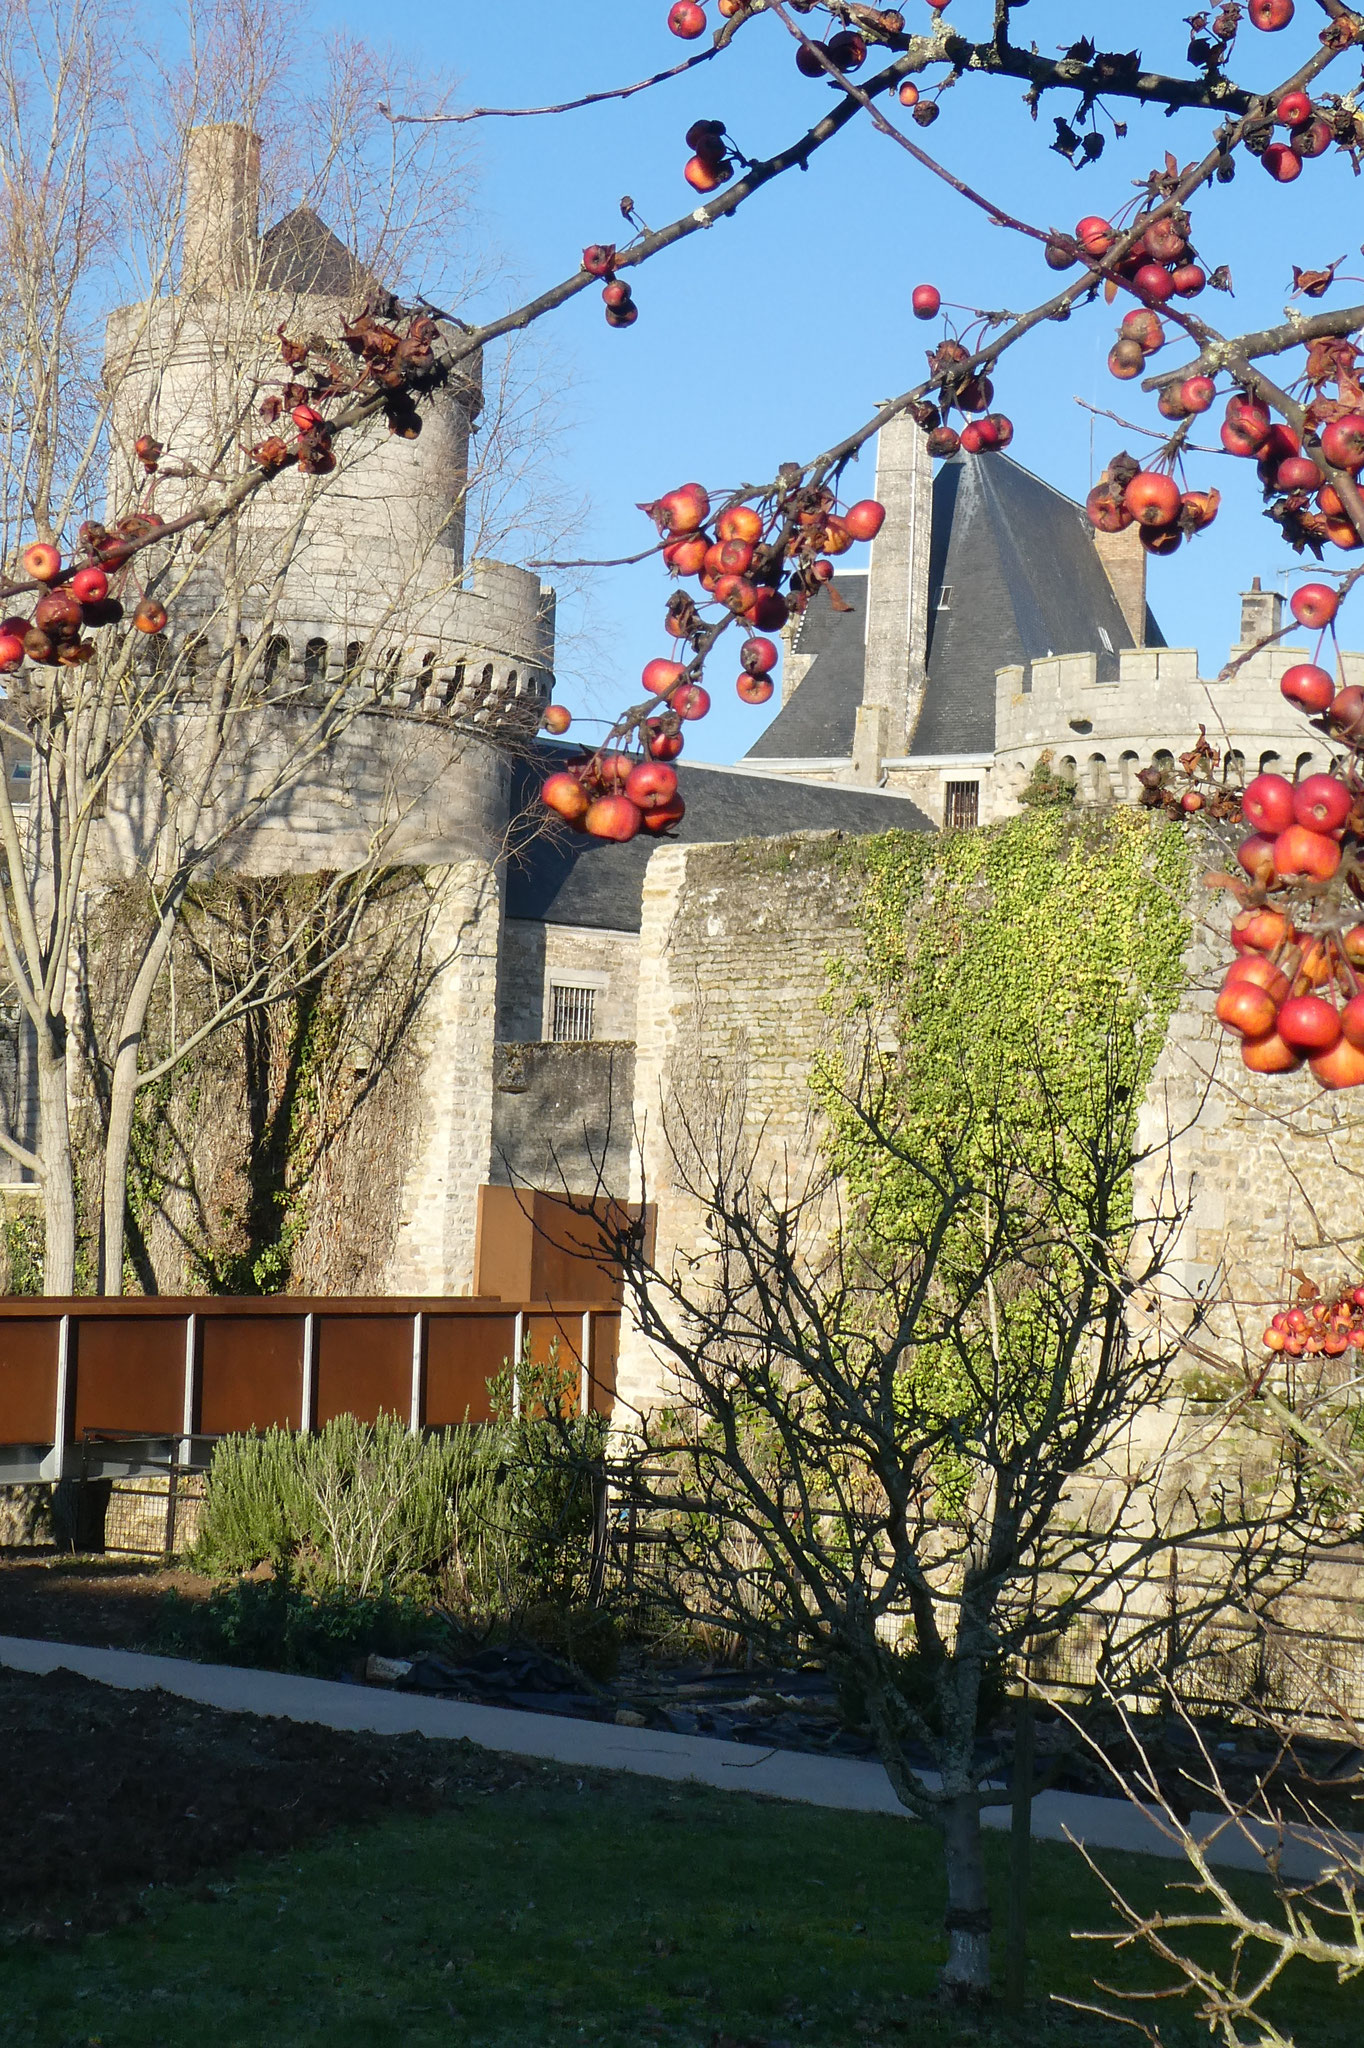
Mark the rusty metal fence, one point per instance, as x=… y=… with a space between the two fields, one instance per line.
x=114 y=1386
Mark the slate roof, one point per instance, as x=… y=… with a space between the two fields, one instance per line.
x=1017 y=562
x=560 y=877
x=301 y=254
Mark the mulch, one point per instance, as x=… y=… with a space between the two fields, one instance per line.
x=106 y=1794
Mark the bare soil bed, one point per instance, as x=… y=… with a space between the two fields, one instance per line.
x=107 y=1793
x=106 y=1602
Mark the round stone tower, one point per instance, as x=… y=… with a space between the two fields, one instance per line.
x=363 y=572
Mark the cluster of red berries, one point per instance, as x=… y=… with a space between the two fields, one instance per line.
x=1325 y=1328
x=1195 y=787
x=1288 y=996
x=599 y=260
x=1159 y=266
x=1309 y=134
x=397 y=364
x=960 y=389
x=847 y=49
x=743 y=563
x=1163 y=512
x=616 y=796
x=740 y=558
x=710 y=165
x=77 y=599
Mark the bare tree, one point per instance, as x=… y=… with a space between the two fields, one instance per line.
x=246 y=395
x=923 y=1438
x=1223 y=1951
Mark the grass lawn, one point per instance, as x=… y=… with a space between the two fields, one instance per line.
x=609 y=1910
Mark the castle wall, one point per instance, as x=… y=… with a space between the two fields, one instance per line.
x=563 y=1117
x=733 y=955
x=455 y=1037
x=537 y=956
x=1102 y=732
x=387 y=786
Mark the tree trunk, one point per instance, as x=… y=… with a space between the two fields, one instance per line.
x=117 y=1142
x=966 y=1974
x=58 y=1176
x=122 y=1108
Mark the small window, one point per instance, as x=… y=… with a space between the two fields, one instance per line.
x=574 y=1013
x=945 y=598
x=314 y=663
x=275 y=667
x=1103 y=635
x=962 y=808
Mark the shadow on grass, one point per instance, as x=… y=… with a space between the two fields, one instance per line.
x=608 y=1910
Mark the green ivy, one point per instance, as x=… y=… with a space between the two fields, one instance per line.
x=25 y=1250
x=1022 y=966
x=1018 y=982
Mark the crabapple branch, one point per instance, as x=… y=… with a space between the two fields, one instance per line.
x=591 y=99
x=1268 y=341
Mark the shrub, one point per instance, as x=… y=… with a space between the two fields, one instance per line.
x=356 y=1506
x=503 y=1516
x=278 y=1625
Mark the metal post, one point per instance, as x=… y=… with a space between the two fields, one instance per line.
x=172 y=1484
x=414 y=1420
x=1020 y=1856
x=308 y=1420
x=518 y=1346
x=191 y=1383
x=61 y=1421
x=586 y=1392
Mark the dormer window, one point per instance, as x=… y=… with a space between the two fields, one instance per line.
x=945 y=598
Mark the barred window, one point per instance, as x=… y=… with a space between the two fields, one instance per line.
x=962 y=807
x=574 y=1013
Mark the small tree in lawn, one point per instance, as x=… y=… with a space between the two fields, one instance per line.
x=916 y=1422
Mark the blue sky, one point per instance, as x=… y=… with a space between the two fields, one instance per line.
x=767 y=337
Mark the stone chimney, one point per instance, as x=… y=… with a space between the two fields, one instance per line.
x=897 y=596
x=1261 y=613
x=1124 y=562
x=222 y=198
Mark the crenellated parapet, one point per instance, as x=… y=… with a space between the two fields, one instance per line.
x=1102 y=718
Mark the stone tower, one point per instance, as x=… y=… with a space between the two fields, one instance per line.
x=378 y=579
x=361 y=582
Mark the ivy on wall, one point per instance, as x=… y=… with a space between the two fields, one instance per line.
x=1013 y=995
x=1020 y=971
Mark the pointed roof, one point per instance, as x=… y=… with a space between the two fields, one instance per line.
x=301 y=254
x=1013 y=576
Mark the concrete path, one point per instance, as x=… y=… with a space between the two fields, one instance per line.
x=850 y=1784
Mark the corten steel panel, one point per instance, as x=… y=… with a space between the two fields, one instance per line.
x=605 y=1351
x=463 y=1352
x=569 y=1257
x=251 y=1373
x=28 y=1379
x=503 y=1243
x=541 y=1334
x=130 y=1373
x=364 y=1366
